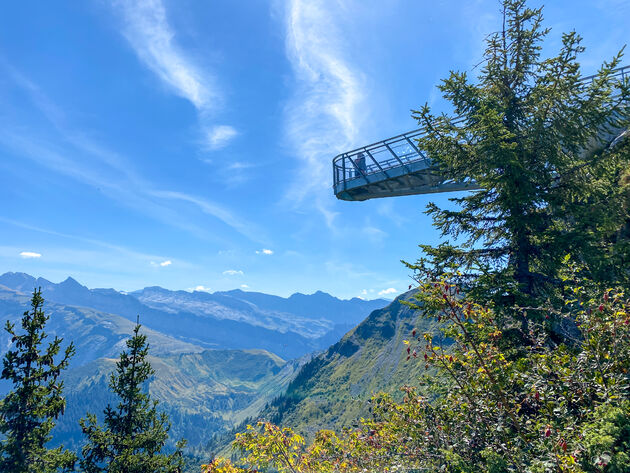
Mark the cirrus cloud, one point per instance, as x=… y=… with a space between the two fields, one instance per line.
x=219 y=136
x=151 y=36
x=149 y=33
x=324 y=114
x=264 y=251
x=233 y=272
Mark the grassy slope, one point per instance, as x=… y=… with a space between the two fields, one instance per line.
x=332 y=389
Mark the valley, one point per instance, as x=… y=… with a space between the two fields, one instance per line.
x=219 y=358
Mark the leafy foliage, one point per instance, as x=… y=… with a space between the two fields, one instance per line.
x=268 y=447
x=493 y=407
x=28 y=412
x=134 y=433
x=523 y=409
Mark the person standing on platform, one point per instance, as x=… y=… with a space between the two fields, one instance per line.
x=361 y=167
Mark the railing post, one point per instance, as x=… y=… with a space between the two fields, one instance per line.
x=415 y=148
x=381 y=169
x=397 y=158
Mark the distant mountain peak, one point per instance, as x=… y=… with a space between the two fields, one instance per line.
x=70 y=281
x=17 y=276
x=230 y=292
x=320 y=294
x=16 y=273
x=18 y=281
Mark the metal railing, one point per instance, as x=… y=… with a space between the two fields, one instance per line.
x=356 y=166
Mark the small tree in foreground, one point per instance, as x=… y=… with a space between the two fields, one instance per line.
x=134 y=433
x=28 y=412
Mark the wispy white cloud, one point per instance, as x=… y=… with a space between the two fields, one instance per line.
x=235 y=172
x=30 y=254
x=120 y=251
x=149 y=33
x=232 y=272
x=264 y=251
x=218 y=211
x=244 y=286
x=323 y=116
x=119 y=183
x=151 y=36
x=91 y=263
x=374 y=234
x=348 y=270
x=386 y=208
x=220 y=136
x=166 y=263
x=81 y=158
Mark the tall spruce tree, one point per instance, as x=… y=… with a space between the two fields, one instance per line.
x=28 y=412
x=134 y=433
x=538 y=141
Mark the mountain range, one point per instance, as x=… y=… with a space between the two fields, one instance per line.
x=216 y=356
x=228 y=358
x=289 y=327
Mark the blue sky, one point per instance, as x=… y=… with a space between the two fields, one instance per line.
x=188 y=144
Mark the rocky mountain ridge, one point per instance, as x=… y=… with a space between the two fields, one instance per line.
x=289 y=327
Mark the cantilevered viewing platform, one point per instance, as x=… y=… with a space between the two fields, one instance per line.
x=397 y=167
x=388 y=168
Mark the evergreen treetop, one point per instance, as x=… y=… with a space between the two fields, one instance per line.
x=28 y=412
x=537 y=139
x=134 y=433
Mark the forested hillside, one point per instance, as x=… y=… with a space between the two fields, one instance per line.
x=333 y=389
x=203 y=393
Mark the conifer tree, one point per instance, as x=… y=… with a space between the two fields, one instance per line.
x=134 y=433
x=28 y=412
x=538 y=142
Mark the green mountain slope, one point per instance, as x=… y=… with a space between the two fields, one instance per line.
x=331 y=391
x=203 y=393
